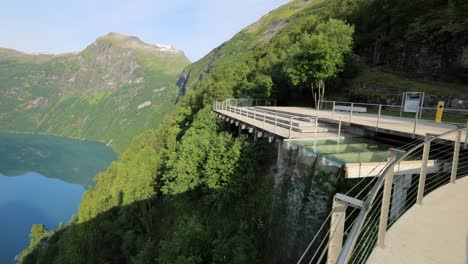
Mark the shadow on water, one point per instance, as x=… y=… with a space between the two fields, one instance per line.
x=18 y=223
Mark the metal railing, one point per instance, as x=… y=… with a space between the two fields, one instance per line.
x=427 y=114
x=275 y=121
x=360 y=218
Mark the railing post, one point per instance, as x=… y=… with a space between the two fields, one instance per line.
x=264 y=115
x=456 y=153
x=378 y=116
x=276 y=120
x=415 y=124
x=422 y=175
x=465 y=146
x=335 y=241
x=339 y=130
x=351 y=113
x=388 y=182
x=290 y=126
x=333 y=111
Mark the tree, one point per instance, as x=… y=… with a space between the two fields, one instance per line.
x=187 y=244
x=318 y=56
x=36 y=236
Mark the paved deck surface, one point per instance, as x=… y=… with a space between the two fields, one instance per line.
x=435 y=233
x=401 y=125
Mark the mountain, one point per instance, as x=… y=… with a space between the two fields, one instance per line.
x=114 y=89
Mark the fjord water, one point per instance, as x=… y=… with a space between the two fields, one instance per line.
x=42 y=179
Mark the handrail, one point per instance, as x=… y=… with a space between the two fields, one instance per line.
x=280 y=120
x=396 y=106
x=355 y=231
x=366 y=230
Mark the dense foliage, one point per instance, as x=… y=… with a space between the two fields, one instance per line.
x=190 y=191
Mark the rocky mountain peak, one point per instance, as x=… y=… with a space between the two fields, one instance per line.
x=132 y=42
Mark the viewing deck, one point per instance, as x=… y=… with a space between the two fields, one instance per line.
x=434 y=233
x=402 y=126
x=308 y=123
x=418 y=192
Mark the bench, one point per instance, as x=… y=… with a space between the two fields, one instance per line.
x=348 y=109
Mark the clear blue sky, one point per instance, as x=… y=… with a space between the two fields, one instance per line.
x=194 y=26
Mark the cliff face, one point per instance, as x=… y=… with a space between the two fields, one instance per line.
x=111 y=91
x=302 y=197
x=446 y=61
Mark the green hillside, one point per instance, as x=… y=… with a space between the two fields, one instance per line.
x=111 y=91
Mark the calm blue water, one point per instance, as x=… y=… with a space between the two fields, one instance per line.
x=42 y=180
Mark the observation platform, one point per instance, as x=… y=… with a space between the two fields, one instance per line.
x=402 y=126
x=435 y=233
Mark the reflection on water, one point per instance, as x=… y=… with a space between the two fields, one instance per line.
x=51 y=174
x=67 y=159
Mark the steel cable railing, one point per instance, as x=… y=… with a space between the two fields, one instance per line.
x=392 y=194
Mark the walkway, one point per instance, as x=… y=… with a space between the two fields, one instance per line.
x=435 y=233
x=400 y=125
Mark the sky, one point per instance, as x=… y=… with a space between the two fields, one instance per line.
x=194 y=26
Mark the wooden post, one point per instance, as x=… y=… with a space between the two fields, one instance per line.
x=335 y=240
x=456 y=153
x=386 y=200
x=339 y=131
x=465 y=146
x=422 y=176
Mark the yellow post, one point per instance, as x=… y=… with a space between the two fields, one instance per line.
x=440 y=111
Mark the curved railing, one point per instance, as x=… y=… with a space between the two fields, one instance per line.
x=360 y=218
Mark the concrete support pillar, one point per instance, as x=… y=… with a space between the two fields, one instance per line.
x=335 y=241
x=400 y=192
x=456 y=153
x=259 y=134
x=279 y=159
